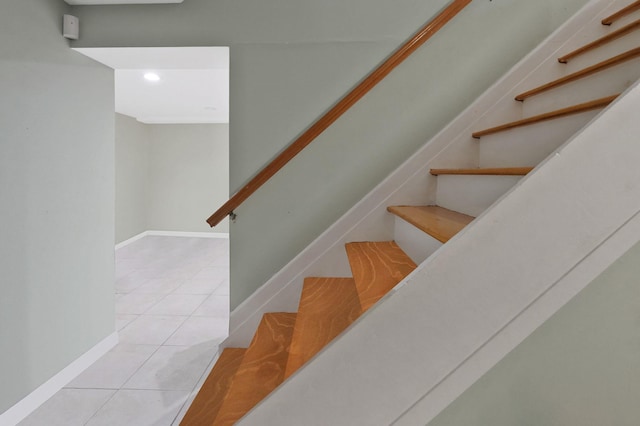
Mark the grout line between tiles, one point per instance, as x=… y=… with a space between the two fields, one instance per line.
x=148 y=256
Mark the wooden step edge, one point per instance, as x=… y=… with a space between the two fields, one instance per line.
x=377 y=267
x=442 y=224
x=600 y=66
x=503 y=171
x=575 y=109
x=621 y=13
x=262 y=368
x=327 y=307
x=206 y=405
x=614 y=35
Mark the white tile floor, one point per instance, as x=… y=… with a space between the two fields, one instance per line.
x=172 y=311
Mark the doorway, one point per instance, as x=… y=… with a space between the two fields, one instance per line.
x=172 y=270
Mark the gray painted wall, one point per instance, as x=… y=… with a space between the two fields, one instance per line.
x=291 y=60
x=582 y=367
x=56 y=199
x=132 y=177
x=169 y=177
x=188 y=176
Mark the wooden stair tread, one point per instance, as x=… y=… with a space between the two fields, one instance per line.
x=262 y=368
x=622 y=12
x=327 y=307
x=377 y=267
x=500 y=171
x=206 y=405
x=575 y=109
x=614 y=35
x=600 y=66
x=442 y=224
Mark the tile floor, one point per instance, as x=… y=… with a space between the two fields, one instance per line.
x=172 y=311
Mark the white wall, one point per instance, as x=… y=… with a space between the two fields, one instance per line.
x=169 y=177
x=132 y=177
x=56 y=199
x=188 y=176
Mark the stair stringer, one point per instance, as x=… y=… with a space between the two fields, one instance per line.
x=411 y=183
x=483 y=292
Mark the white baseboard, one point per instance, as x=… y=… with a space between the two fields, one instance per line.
x=131 y=240
x=189 y=234
x=35 y=399
x=524 y=324
x=172 y=234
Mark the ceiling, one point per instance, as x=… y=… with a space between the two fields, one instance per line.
x=193 y=85
x=80 y=2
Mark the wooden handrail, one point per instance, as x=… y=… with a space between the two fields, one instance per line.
x=339 y=109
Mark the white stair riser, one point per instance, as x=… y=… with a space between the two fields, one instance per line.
x=551 y=69
x=605 y=83
x=416 y=243
x=471 y=194
x=604 y=52
x=529 y=145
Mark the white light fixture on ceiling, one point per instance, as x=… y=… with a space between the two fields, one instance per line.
x=151 y=76
x=191 y=79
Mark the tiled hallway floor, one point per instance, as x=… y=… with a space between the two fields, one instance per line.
x=172 y=308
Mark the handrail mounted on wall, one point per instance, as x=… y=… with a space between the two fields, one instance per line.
x=339 y=109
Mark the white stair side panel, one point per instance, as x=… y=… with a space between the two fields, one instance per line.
x=596 y=262
x=605 y=83
x=527 y=146
x=417 y=244
x=473 y=194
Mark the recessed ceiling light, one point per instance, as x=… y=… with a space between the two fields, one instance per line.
x=152 y=76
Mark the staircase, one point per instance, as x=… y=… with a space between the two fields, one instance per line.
x=550 y=112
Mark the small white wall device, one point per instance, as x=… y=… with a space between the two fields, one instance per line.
x=70 y=27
